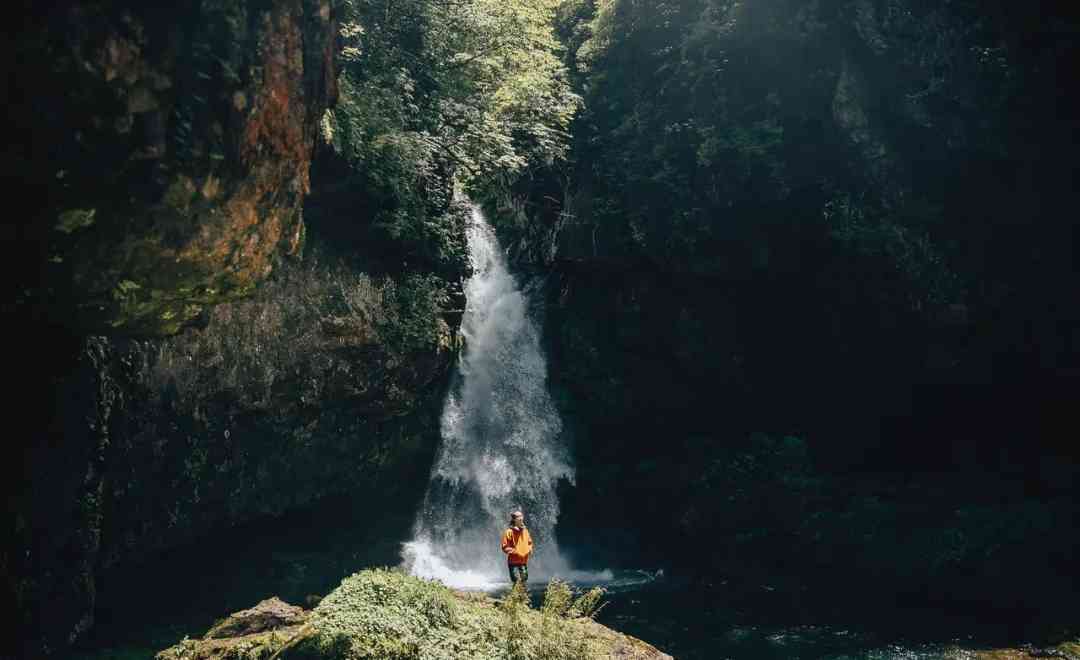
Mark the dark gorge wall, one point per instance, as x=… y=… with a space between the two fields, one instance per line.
x=163 y=154
x=811 y=305
x=160 y=157
x=208 y=328
x=299 y=393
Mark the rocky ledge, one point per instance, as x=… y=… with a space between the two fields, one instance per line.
x=388 y=614
x=1064 y=651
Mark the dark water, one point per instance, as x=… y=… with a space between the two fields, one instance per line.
x=728 y=620
x=694 y=619
x=154 y=605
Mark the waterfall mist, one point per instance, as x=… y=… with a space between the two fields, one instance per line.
x=502 y=446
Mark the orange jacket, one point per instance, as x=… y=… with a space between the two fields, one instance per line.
x=520 y=545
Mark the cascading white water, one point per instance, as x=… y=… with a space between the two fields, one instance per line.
x=502 y=445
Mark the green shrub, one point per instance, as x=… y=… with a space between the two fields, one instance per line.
x=390 y=615
x=557 y=640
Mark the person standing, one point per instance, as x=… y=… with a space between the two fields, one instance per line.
x=517 y=544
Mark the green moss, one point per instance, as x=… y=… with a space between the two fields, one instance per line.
x=250 y=647
x=180 y=194
x=1070 y=648
x=75 y=219
x=125 y=289
x=389 y=614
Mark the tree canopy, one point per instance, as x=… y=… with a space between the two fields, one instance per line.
x=477 y=84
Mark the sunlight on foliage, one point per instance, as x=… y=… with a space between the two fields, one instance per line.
x=478 y=83
x=386 y=613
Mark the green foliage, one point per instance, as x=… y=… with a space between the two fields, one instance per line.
x=75 y=219
x=924 y=278
x=514 y=627
x=413 y=319
x=390 y=615
x=668 y=144
x=561 y=600
x=385 y=614
x=439 y=95
x=475 y=84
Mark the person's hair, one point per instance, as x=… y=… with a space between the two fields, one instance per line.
x=515 y=513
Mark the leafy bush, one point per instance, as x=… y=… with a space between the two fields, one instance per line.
x=390 y=615
x=413 y=321
x=924 y=279
x=431 y=89
x=558 y=641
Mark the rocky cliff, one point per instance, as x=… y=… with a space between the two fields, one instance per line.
x=299 y=393
x=169 y=151
x=197 y=347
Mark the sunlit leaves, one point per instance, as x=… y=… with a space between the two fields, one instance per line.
x=477 y=82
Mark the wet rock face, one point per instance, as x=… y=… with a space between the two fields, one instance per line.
x=294 y=395
x=159 y=155
x=279 y=401
x=168 y=150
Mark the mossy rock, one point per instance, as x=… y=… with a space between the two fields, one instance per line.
x=1065 y=651
x=387 y=614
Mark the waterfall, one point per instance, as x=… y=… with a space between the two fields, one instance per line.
x=502 y=446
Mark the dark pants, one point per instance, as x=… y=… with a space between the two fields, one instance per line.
x=519 y=573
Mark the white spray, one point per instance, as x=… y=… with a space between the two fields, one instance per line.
x=502 y=445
